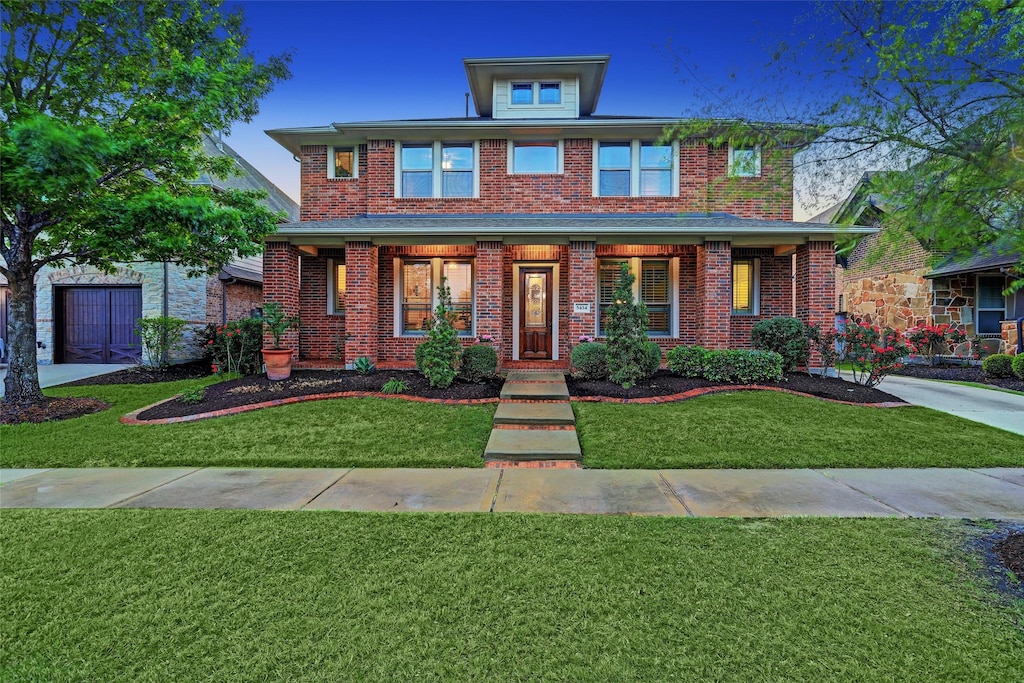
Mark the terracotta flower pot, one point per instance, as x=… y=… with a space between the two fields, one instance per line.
x=278 y=362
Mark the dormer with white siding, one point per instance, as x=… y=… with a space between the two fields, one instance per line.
x=536 y=87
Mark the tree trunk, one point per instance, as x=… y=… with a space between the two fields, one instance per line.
x=22 y=383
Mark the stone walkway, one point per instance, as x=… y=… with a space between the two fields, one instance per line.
x=534 y=423
x=996 y=493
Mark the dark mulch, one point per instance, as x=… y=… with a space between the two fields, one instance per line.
x=258 y=389
x=50 y=409
x=957 y=373
x=143 y=374
x=663 y=383
x=1010 y=552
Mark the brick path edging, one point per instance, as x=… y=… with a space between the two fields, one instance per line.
x=132 y=418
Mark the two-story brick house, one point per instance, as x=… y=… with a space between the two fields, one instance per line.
x=528 y=209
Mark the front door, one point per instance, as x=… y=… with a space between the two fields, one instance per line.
x=535 y=332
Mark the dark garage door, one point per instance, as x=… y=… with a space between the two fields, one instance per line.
x=99 y=324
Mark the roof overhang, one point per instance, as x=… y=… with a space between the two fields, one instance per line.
x=590 y=69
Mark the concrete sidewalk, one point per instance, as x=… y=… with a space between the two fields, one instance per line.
x=52 y=375
x=996 y=493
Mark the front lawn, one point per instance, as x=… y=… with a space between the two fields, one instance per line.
x=365 y=432
x=133 y=595
x=771 y=430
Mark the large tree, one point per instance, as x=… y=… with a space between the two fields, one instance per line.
x=104 y=106
x=932 y=90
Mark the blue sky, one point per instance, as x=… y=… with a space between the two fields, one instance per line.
x=358 y=61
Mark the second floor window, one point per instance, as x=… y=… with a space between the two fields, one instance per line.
x=635 y=169
x=342 y=162
x=525 y=94
x=535 y=157
x=436 y=169
x=745 y=161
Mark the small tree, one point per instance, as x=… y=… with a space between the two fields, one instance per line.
x=161 y=336
x=627 y=334
x=438 y=357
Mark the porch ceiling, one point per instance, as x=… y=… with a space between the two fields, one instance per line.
x=561 y=228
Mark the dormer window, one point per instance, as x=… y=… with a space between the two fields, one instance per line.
x=536 y=92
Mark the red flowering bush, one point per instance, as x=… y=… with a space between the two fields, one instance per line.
x=873 y=353
x=234 y=348
x=931 y=340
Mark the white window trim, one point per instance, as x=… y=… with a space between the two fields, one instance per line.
x=535 y=87
x=977 y=305
x=634 y=267
x=515 y=305
x=435 y=172
x=757 y=161
x=436 y=271
x=634 y=170
x=559 y=154
x=355 y=161
x=331 y=288
x=755 y=289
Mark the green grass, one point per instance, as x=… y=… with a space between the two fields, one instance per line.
x=337 y=433
x=771 y=430
x=133 y=595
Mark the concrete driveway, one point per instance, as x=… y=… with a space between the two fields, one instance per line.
x=52 y=375
x=995 y=408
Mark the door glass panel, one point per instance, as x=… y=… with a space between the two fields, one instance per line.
x=536 y=300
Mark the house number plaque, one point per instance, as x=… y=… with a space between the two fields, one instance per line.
x=581 y=308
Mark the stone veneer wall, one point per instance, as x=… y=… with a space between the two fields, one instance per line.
x=953 y=302
x=1009 y=338
x=186 y=297
x=897 y=300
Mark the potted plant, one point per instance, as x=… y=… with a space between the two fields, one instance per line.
x=278 y=360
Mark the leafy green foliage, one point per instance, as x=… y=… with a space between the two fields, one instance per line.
x=826 y=344
x=104 y=109
x=687 y=361
x=999 y=365
x=234 y=347
x=277 y=322
x=438 y=357
x=786 y=337
x=590 y=361
x=652 y=358
x=626 y=334
x=479 y=363
x=742 y=366
x=193 y=396
x=393 y=386
x=1017 y=365
x=364 y=366
x=161 y=336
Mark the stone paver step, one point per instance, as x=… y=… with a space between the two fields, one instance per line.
x=537 y=391
x=534 y=376
x=533 y=444
x=534 y=413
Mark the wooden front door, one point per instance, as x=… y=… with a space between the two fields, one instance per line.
x=535 y=332
x=99 y=324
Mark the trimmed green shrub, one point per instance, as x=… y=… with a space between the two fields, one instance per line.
x=745 y=367
x=786 y=337
x=438 y=357
x=161 y=336
x=479 y=363
x=590 y=361
x=626 y=333
x=1017 y=365
x=998 y=365
x=687 y=361
x=653 y=360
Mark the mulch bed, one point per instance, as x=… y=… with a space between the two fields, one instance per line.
x=51 y=409
x=258 y=389
x=1010 y=552
x=143 y=374
x=663 y=383
x=959 y=373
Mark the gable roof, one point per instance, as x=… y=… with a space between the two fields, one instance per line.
x=992 y=257
x=250 y=179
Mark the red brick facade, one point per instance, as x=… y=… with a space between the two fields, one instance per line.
x=241 y=297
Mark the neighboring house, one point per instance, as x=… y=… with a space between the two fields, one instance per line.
x=892 y=279
x=528 y=209
x=86 y=316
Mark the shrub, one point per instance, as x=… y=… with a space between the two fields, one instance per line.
x=479 y=363
x=277 y=322
x=652 y=361
x=161 y=336
x=1018 y=366
x=590 y=361
x=626 y=333
x=825 y=344
x=931 y=340
x=874 y=353
x=998 y=365
x=364 y=366
x=438 y=357
x=393 y=386
x=746 y=367
x=192 y=396
x=234 y=347
x=687 y=361
x=786 y=337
